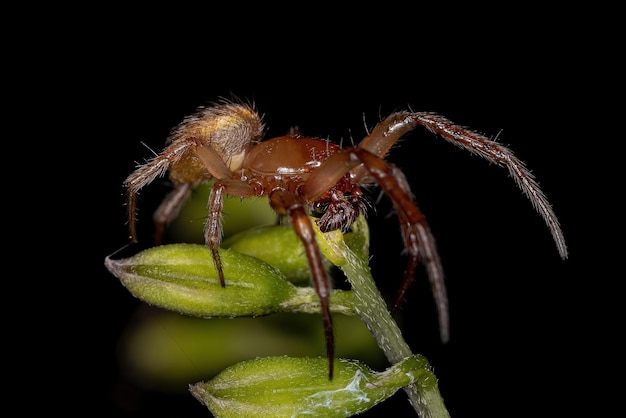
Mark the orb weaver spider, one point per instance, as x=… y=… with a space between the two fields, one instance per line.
x=303 y=177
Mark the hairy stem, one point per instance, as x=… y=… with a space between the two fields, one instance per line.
x=423 y=395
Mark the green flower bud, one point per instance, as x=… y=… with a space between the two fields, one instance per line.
x=299 y=387
x=276 y=245
x=182 y=278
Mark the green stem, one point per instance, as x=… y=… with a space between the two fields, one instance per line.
x=423 y=395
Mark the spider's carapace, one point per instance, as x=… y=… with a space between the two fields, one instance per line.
x=304 y=177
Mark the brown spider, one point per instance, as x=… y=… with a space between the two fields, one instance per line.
x=304 y=176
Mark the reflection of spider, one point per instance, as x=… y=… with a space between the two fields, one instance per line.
x=305 y=177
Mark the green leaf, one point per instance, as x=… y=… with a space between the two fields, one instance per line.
x=277 y=245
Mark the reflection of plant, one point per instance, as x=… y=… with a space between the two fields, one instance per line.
x=181 y=278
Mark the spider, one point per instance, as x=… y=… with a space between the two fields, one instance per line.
x=313 y=180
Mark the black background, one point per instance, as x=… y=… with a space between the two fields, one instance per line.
x=522 y=318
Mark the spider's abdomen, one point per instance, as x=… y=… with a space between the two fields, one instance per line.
x=228 y=128
x=288 y=156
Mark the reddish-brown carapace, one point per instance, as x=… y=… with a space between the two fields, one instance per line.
x=310 y=177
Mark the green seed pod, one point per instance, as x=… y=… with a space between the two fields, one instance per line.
x=277 y=245
x=299 y=387
x=182 y=278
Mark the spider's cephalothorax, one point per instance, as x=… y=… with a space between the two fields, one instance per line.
x=304 y=176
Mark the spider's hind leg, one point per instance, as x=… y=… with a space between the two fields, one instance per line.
x=169 y=209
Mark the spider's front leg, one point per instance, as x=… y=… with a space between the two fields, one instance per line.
x=390 y=130
x=287 y=203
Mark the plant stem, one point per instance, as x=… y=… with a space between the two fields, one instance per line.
x=423 y=395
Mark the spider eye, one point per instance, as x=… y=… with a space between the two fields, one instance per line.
x=318 y=209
